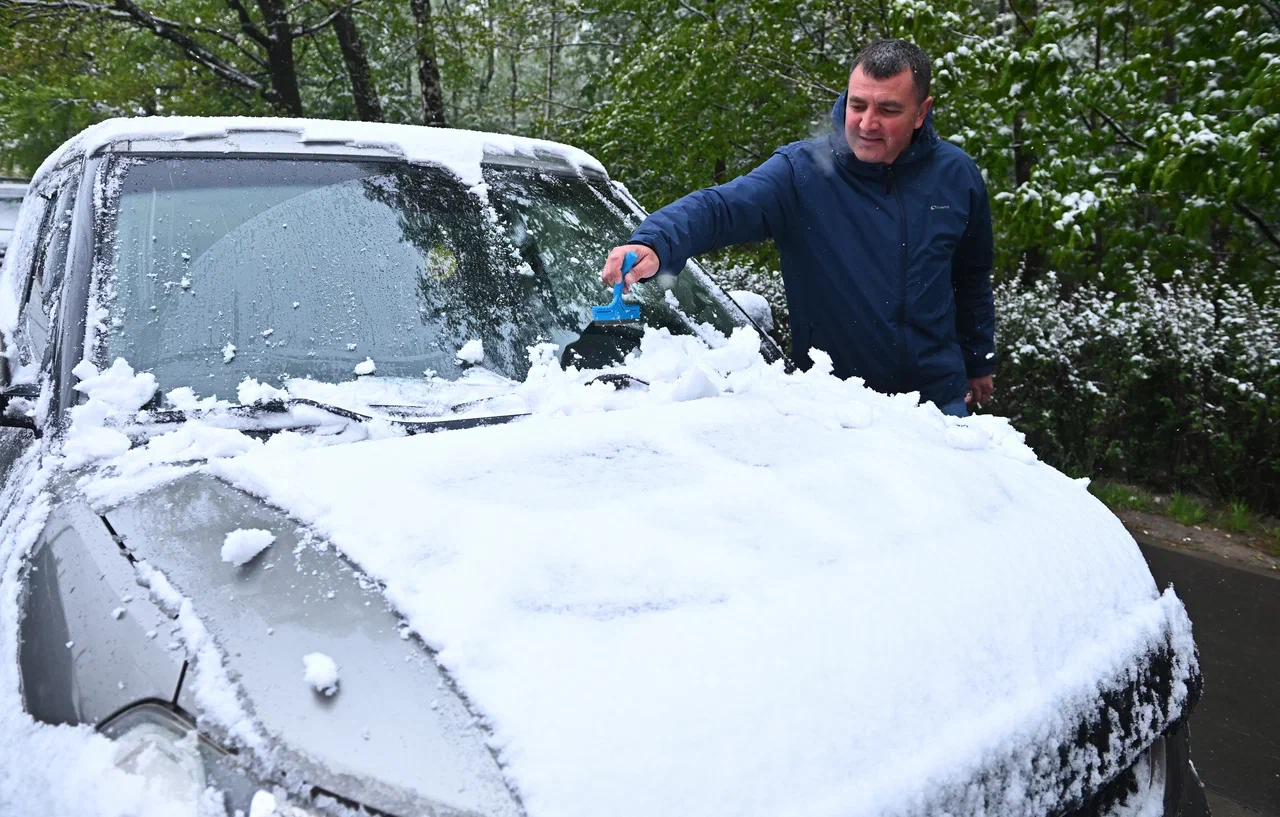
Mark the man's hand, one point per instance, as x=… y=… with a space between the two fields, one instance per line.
x=646 y=265
x=980 y=391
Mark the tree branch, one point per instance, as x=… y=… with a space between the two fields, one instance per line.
x=246 y=23
x=1258 y=222
x=1273 y=10
x=125 y=11
x=1022 y=22
x=307 y=31
x=1115 y=126
x=697 y=11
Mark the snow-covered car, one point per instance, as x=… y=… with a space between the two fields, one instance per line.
x=11 y=194
x=321 y=495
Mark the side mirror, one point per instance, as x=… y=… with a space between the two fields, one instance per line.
x=14 y=415
x=756 y=307
x=15 y=401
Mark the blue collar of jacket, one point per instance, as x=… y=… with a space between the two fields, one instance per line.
x=923 y=142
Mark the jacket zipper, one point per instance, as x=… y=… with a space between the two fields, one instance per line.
x=902 y=313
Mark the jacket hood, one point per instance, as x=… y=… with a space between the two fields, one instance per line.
x=923 y=141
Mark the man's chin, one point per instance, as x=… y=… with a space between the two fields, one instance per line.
x=869 y=154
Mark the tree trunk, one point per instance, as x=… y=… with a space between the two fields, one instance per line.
x=1171 y=89
x=1023 y=160
x=428 y=69
x=279 y=45
x=363 y=89
x=551 y=64
x=515 y=85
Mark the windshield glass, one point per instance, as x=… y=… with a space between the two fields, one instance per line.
x=279 y=269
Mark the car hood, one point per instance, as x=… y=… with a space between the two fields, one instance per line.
x=397 y=736
x=776 y=615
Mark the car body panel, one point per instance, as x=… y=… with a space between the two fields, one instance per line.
x=396 y=716
x=81 y=662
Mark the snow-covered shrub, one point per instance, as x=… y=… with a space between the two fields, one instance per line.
x=1175 y=384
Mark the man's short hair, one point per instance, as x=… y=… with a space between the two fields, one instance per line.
x=883 y=59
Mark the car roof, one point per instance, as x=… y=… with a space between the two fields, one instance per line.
x=461 y=151
x=11 y=190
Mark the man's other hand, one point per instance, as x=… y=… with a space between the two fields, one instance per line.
x=646 y=265
x=980 y=391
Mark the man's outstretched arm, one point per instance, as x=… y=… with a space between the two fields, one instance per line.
x=975 y=303
x=749 y=208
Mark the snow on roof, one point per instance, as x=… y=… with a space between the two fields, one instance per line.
x=461 y=151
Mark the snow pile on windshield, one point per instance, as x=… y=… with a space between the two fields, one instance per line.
x=726 y=589
x=320 y=672
x=242 y=545
x=112 y=392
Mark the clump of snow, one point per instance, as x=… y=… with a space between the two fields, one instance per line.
x=184 y=399
x=472 y=352
x=242 y=545
x=228 y=353
x=321 y=673
x=756 y=306
x=367 y=367
x=112 y=393
x=250 y=391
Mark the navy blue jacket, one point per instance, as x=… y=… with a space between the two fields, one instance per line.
x=887 y=268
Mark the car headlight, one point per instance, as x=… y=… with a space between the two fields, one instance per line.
x=160 y=746
x=163 y=747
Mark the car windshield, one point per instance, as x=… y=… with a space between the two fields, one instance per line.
x=300 y=269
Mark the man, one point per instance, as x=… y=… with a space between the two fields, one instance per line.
x=885 y=236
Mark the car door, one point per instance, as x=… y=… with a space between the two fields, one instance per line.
x=38 y=277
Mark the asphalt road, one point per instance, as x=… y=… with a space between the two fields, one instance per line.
x=1235 y=730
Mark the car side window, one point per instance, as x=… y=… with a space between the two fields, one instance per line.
x=39 y=295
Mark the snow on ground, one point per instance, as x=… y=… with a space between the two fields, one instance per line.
x=242 y=545
x=735 y=591
x=320 y=671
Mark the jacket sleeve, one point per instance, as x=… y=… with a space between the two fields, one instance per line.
x=971 y=282
x=749 y=208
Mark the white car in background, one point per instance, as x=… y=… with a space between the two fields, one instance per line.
x=11 y=194
x=321 y=495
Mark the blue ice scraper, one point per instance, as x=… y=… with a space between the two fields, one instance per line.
x=617 y=312
x=614 y=331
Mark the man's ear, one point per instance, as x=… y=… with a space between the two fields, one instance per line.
x=924 y=111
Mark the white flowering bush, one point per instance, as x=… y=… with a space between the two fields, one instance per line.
x=1174 y=384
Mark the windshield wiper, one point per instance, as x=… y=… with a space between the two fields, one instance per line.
x=284 y=406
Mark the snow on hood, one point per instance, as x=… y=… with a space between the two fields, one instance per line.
x=736 y=592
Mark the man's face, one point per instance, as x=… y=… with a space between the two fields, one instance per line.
x=882 y=114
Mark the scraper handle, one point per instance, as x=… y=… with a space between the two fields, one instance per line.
x=628 y=261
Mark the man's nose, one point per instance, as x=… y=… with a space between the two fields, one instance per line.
x=870 y=122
